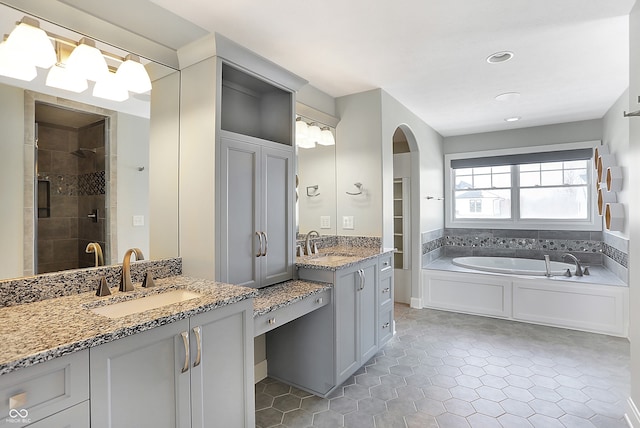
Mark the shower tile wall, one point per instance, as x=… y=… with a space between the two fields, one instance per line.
x=63 y=236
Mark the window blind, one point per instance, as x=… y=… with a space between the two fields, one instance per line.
x=523 y=158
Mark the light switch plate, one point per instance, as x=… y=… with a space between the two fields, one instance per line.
x=347 y=222
x=325 y=222
x=138 y=220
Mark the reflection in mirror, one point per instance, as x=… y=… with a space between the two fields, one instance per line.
x=316 y=184
x=57 y=192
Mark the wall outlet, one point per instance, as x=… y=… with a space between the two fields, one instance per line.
x=325 y=222
x=138 y=220
x=347 y=222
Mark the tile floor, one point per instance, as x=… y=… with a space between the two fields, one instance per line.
x=451 y=370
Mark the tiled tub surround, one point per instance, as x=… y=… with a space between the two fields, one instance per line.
x=40 y=331
x=592 y=248
x=67 y=283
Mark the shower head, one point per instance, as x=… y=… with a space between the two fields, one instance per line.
x=81 y=152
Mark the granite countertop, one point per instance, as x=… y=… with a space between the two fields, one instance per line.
x=598 y=274
x=280 y=295
x=343 y=257
x=40 y=331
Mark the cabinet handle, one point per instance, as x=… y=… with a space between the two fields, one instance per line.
x=185 y=341
x=18 y=401
x=361 y=274
x=386 y=290
x=260 y=246
x=272 y=321
x=266 y=244
x=385 y=325
x=319 y=300
x=197 y=330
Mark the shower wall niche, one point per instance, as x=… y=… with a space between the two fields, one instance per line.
x=71 y=163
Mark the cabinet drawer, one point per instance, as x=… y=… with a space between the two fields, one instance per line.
x=74 y=417
x=44 y=389
x=385 y=327
x=385 y=297
x=273 y=319
x=386 y=264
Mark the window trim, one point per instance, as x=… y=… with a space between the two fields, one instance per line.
x=592 y=223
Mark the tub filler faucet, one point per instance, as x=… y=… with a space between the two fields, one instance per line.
x=547 y=266
x=579 y=270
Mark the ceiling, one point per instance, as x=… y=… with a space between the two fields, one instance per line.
x=571 y=57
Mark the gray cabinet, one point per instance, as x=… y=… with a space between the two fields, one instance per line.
x=254 y=205
x=50 y=388
x=321 y=350
x=73 y=417
x=178 y=375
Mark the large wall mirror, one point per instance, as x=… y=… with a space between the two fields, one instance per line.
x=77 y=169
x=316 y=207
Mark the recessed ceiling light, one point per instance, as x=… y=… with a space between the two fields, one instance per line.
x=499 y=57
x=508 y=96
x=513 y=119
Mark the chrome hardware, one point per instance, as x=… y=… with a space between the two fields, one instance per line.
x=266 y=244
x=385 y=325
x=259 y=253
x=197 y=330
x=585 y=270
x=307 y=245
x=568 y=273
x=103 y=288
x=185 y=341
x=319 y=300
x=578 y=271
x=386 y=290
x=547 y=266
x=272 y=321
x=299 y=250
x=125 y=279
x=93 y=215
x=361 y=275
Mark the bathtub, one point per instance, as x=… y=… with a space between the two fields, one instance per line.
x=511 y=265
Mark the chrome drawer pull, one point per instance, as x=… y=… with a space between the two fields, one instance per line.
x=197 y=330
x=272 y=321
x=385 y=325
x=185 y=341
x=386 y=290
x=319 y=300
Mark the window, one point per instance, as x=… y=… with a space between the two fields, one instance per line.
x=550 y=189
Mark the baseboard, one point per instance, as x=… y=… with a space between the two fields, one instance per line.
x=633 y=415
x=416 y=303
x=260 y=371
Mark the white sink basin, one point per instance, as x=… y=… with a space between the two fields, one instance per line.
x=145 y=303
x=328 y=259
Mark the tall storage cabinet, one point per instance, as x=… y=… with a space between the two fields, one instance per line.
x=255 y=203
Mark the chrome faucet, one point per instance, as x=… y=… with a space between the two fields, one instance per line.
x=576 y=261
x=547 y=266
x=307 y=244
x=94 y=247
x=125 y=279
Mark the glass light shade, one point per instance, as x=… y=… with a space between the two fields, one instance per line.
x=15 y=69
x=315 y=133
x=87 y=62
x=302 y=129
x=305 y=142
x=59 y=77
x=133 y=76
x=326 y=138
x=32 y=45
x=109 y=88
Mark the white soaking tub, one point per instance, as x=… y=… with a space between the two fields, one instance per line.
x=512 y=265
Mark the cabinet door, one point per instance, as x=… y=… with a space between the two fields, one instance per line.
x=237 y=220
x=346 y=303
x=277 y=215
x=222 y=369
x=368 y=312
x=138 y=381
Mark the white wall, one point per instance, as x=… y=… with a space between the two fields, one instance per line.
x=12 y=181
x=570 y=132
x=359 y=160
x=132 y=184
x=634 y=220
x=615 y=134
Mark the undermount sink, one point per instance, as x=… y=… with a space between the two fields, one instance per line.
x=144 y=303
x=329 y=258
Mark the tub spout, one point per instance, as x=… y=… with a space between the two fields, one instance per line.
x=547 y=266
x=578 y=271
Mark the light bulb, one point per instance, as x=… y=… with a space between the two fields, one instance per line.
x=133 y=76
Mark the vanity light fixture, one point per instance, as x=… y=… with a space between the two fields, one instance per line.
x=499 y=57
x=326 y=137
x=315 y=134
x=302 y=135
x=28 y=47
x=512 y=119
